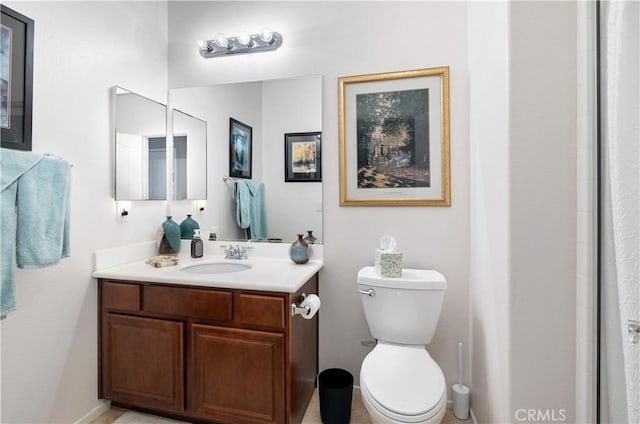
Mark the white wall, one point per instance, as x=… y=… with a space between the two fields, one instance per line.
x=490 y=186
x=529 y=96
x=543 y=206
x=351 y=38
x=49 y=344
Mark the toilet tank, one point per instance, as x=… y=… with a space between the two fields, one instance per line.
x=403 y=310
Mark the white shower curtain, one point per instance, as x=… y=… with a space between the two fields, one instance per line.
x=620 y=218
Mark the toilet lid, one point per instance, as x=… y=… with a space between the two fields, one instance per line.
x=403 y=379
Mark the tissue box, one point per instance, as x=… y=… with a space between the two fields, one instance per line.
x=388 y=264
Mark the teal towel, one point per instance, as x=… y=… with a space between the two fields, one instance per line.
x=250 y=208
x=13 y=164
x=42 y=237
x=35 y=216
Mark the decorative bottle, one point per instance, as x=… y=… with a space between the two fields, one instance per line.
x=309 y=238
x=170 y=241
x=299 y=251
x=197 y=247
x=187 y=226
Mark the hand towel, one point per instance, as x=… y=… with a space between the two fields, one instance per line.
x=42 y=237
x=243 y=204
x=16 y=211
x=13 y=164
x=250 y=208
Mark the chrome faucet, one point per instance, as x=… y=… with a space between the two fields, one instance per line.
x=237 y=252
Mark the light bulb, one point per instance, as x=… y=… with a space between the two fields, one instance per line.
x=245 y=38
x=221 y=40
x=266 y=35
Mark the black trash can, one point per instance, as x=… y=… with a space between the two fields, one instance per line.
x=335 y=387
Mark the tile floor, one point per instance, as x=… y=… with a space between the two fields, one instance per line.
x=312 y=416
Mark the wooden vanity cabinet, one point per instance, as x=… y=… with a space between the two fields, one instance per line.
x=206 y=354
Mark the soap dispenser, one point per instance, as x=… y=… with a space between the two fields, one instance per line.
x=197 y=247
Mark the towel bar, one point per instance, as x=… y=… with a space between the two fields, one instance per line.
x=51 y=155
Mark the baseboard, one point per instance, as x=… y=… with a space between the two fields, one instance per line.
x=356 y=389
x=95 y=413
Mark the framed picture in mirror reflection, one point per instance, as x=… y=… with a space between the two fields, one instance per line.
x=240 y=149
x=302 y=157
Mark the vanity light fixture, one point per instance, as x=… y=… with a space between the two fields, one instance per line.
x=221 y=45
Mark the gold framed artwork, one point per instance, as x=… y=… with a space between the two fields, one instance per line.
x=394 y=138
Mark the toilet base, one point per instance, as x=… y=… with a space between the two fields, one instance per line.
x=378 y=418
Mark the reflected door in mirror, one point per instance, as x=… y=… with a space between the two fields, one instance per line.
x=140 y=147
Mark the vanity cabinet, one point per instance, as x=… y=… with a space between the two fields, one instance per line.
x=206 y=354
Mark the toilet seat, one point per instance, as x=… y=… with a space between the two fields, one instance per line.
x=380 y=415
x=403 y=383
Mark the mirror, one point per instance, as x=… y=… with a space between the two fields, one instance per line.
x=189 y=157
x=140 y=147
x=272 y=108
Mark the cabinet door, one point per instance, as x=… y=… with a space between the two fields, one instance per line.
x=142 y=362
x=237 y=376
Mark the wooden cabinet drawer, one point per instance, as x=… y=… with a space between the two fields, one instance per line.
x=188 y=302
x=121 y=296
x=260 y=310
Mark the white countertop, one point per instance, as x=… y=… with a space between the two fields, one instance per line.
x=277 y=274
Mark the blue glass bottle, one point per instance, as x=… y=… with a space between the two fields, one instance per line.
x=170 y=242
x=299 y=251
x=187 y=226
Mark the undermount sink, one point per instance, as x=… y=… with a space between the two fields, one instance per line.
x=216 y=268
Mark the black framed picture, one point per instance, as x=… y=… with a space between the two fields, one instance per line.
x=16 y=79
x=302 y=157
x=240 y=149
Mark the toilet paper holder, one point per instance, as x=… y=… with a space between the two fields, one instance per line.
x=300 y=310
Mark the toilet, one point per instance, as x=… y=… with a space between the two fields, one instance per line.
x=399 y=381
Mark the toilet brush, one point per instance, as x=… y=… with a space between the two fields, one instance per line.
x=460 y=392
